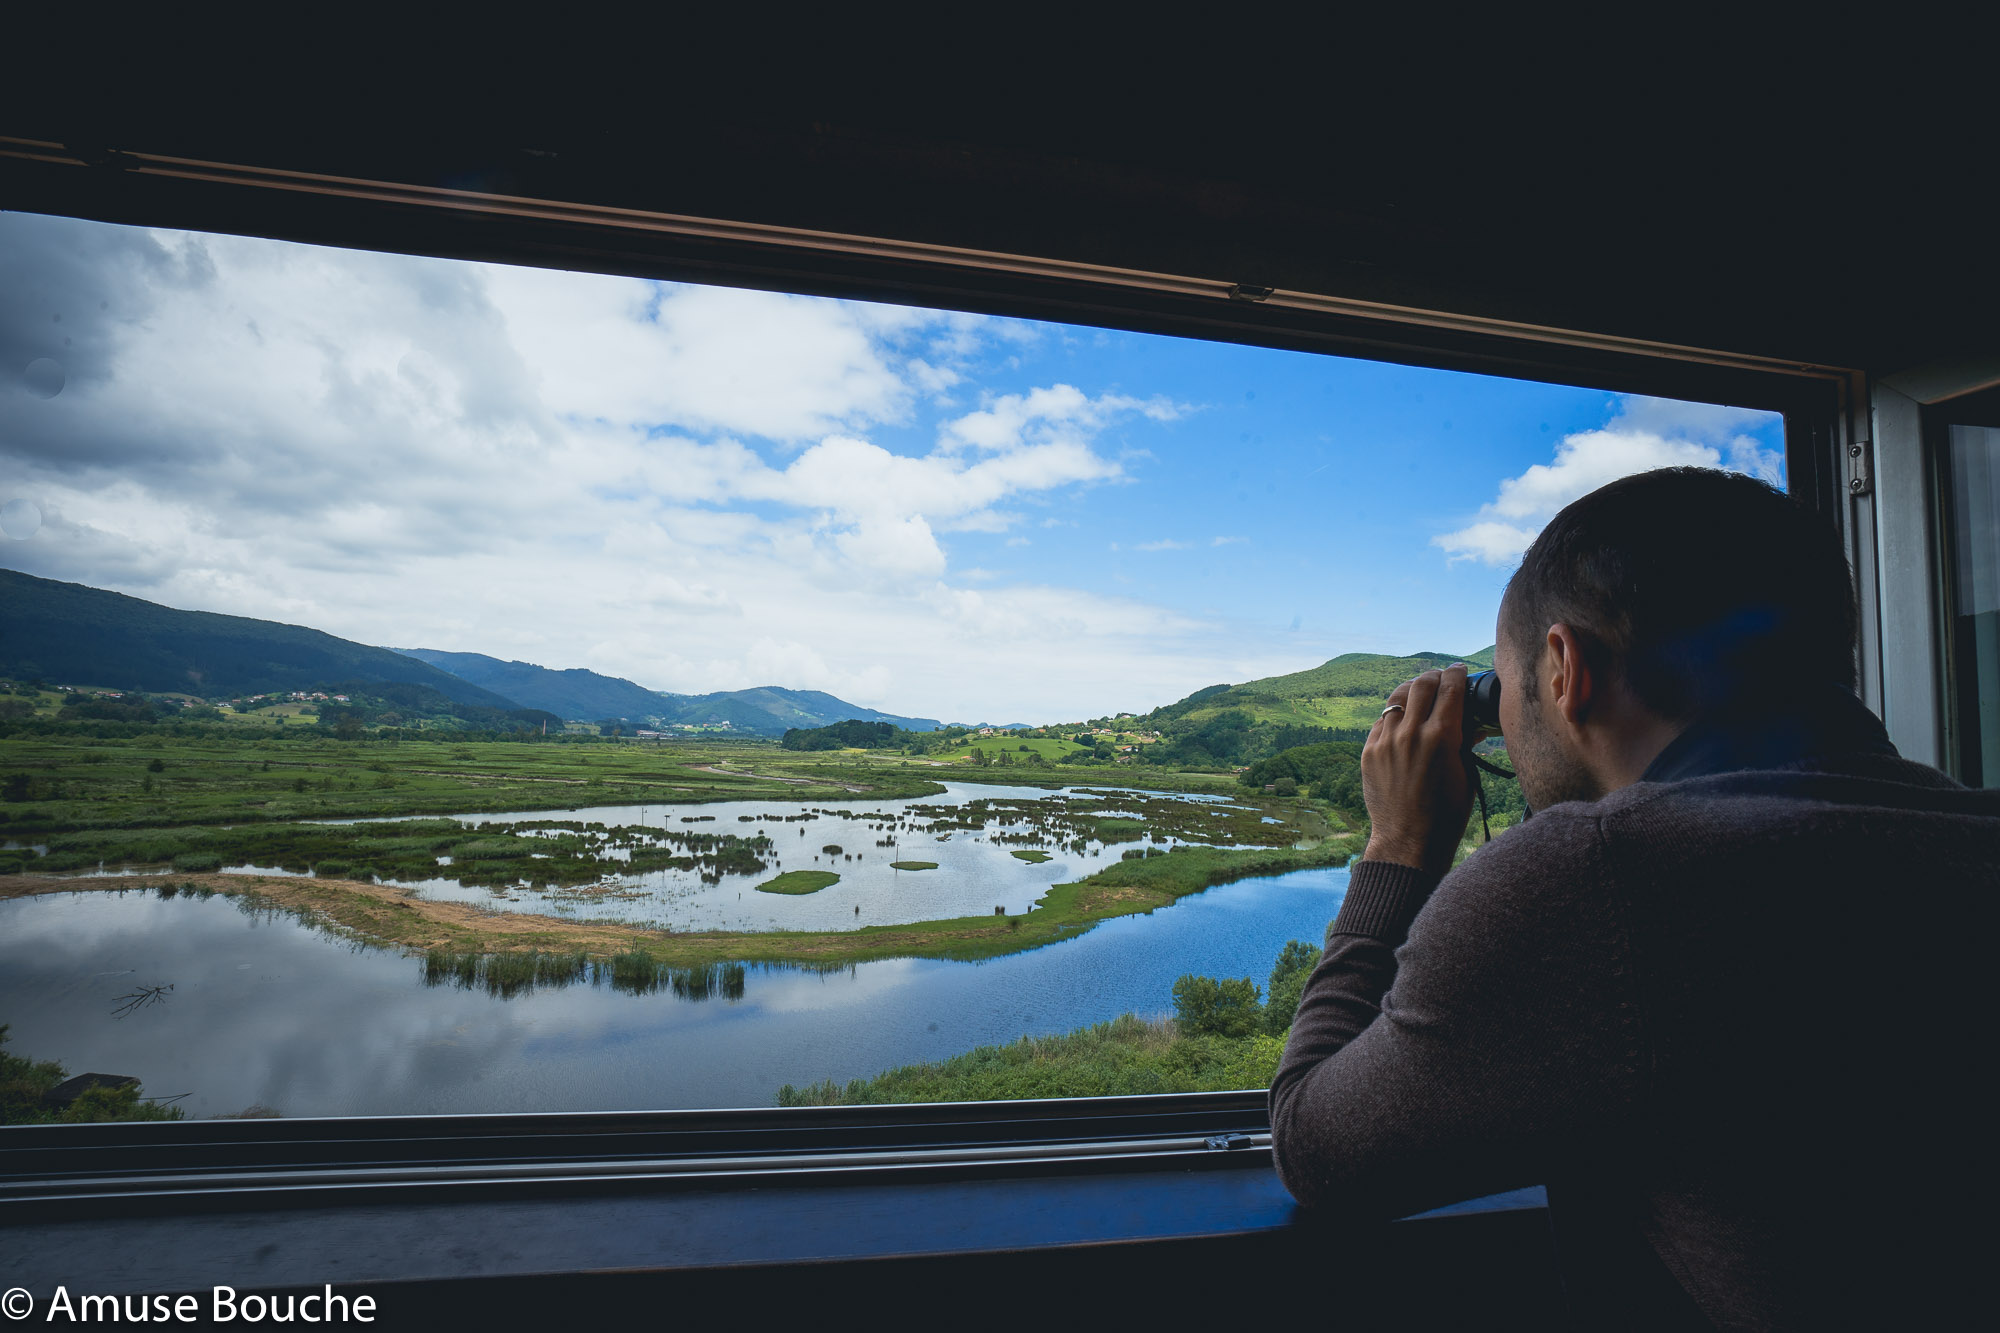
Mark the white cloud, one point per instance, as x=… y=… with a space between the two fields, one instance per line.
x=1164 y=544
x=1647 y=433
x=1227 y=541
x=899 y=547
x=687 y=487
x=626 y=350
x=1060 y=413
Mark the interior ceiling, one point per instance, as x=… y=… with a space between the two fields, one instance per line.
x=1808 y=237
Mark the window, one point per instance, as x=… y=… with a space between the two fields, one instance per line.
x=658 y=695
x=1967 y=451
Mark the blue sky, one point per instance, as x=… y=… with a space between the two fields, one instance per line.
x=934 y=513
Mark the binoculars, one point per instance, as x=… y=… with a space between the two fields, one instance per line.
x=1482 y=705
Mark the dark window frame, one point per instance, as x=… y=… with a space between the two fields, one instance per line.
x=92 y=1170
x=1981 y=408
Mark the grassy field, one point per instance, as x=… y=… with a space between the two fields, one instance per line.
x=913 y=865
x=1124 y=1057
x=799 y=882
x=1017 y=749
x=64 y=783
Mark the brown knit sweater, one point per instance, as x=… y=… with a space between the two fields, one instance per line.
x=1724 y=1014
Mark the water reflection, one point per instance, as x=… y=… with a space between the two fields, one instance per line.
x=268 y=1011
x=136 y=1000
x=505 y=976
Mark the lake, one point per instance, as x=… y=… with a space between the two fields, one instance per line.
x=265 y=1010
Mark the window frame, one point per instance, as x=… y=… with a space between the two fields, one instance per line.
x=1978 y=408
x=92 y=1168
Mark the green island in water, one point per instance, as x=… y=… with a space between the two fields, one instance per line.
x=799 y=881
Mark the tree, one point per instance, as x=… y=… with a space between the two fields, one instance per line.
x=1207 y=1007
x=1288 y=981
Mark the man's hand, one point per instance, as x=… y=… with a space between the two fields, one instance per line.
x=1414 y=775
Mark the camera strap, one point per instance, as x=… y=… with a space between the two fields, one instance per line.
x=1479 y=788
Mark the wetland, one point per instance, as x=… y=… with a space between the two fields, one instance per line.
x=767 y=904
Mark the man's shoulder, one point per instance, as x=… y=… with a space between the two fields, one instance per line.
x=1579 y=847
x=1880 y=792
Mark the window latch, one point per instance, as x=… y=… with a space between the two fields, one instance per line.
x=1227 y=1142
x=1245 y=291
x=1860 y=481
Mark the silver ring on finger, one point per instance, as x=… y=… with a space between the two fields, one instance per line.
x=1392 y=708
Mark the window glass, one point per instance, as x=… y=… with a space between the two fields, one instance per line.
x=445 y=687
x=1973 y=470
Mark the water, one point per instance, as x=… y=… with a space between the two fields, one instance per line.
x=974 y=873
x=267 y=1011
x=973 y=876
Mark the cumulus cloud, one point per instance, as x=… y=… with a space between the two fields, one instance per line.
x=695 y=488
x=1164 y=544
x=1646 y=433
x=1058 y=414
x=781 y=367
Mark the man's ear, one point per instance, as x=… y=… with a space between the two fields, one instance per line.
x=1569 y=676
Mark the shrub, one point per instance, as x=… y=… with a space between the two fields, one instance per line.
x=1206 y=1006
x=1288 y=980
x=197 y=863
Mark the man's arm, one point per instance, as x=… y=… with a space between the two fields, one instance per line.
x=1500 y=1037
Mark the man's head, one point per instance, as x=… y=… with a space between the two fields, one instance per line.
x=1654 y=600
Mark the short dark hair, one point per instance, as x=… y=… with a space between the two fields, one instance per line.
x=1692 y=584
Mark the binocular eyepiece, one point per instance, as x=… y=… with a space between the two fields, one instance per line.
x=1482 y=705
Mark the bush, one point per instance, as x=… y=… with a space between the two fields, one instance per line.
x=23 y=1081
x=1206 y=1006
x=1288 y=980
x=197 y=863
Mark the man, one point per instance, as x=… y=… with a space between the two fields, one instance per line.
x=1709 y=993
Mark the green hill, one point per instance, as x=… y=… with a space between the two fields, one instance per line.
x=1345 y=692
x=67 y=633
x=769 y=710
x=1228 y=725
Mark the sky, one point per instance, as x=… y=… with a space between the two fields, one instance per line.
x=934 y=513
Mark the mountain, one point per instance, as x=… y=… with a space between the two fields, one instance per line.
x=70 y=634
x=571 y=693
x=769 y=710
